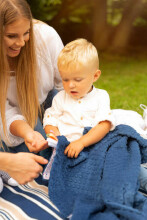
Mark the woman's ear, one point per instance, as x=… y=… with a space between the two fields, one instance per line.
x=96 y=75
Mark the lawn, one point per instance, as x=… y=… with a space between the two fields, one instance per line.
x=125 y=79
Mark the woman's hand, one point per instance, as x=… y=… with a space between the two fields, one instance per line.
x=23 y=167
x=35 y=141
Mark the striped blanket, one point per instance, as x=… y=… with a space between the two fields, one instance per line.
x=27 y=202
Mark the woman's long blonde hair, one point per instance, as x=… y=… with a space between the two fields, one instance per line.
x=26 y=80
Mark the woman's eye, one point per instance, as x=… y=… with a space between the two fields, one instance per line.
x=28 y=32
x=11 y=36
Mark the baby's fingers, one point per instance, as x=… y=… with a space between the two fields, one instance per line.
x=76 y=154
x=72 y=153
x=66 y=150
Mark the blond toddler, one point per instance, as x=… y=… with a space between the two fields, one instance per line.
x=80 y=104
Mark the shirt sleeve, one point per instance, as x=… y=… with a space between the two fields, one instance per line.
x=55 y=47
x=53 y=113
x=12 y=113
x=104 y=113
x=49 y=41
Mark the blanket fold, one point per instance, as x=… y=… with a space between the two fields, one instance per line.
x=103 y=181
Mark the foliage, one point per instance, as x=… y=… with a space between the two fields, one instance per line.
x=115 y=12
x=45 y=9
x=77 y=14
x=109 y=24
x=80 y=11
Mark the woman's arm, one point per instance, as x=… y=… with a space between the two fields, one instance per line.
x=33 y=139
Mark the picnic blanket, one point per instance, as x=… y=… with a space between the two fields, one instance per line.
x=102 y=183
x=28 y=202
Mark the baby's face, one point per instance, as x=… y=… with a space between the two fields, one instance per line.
x=77 y=83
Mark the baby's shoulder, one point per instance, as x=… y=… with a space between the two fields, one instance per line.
x=60 y=95
x=101 y=92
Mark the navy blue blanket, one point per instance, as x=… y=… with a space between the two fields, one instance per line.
x=102 y=183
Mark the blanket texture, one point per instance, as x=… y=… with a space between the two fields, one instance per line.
x=102 y=183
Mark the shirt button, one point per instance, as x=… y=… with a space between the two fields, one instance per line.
x=81 y=118
x=79 y=102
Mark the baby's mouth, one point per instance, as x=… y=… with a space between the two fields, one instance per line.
x=73 y=92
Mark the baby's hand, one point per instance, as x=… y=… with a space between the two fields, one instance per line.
x=73 y=149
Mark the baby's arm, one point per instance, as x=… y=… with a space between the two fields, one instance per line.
x=52 y=115
x=93 y=136
x=51 y=133
x=49 y=128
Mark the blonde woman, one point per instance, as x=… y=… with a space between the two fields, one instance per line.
x=28 y=71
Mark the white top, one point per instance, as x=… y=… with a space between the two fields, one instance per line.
x=48 y=45
x=131 y=118
x=71 y=116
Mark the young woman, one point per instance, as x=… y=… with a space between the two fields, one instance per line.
x=28 y=71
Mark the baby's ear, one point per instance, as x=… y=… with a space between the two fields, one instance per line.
x=97 y=75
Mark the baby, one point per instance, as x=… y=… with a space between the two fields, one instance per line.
x=80 y=104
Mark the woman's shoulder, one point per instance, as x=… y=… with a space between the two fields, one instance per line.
x=43 y=29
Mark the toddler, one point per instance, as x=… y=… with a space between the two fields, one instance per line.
x=80 y=104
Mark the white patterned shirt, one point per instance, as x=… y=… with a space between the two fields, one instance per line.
x=48 y=46
x=71 y=116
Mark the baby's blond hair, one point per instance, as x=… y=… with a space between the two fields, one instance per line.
x=78 y=53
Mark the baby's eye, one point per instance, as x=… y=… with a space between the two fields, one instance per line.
x=78 y=79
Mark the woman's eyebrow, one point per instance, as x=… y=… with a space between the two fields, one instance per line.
x=12 y=33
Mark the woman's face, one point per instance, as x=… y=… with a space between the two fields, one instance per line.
x=15 y=36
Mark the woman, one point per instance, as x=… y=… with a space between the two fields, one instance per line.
x=28 y=71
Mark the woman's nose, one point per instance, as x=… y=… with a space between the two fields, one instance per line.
x=20 y=42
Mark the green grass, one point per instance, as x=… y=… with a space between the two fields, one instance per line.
x=125 y=79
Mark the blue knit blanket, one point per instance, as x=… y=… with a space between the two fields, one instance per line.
x=102 y=183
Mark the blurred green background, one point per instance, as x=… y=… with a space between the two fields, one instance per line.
x=118 y=28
